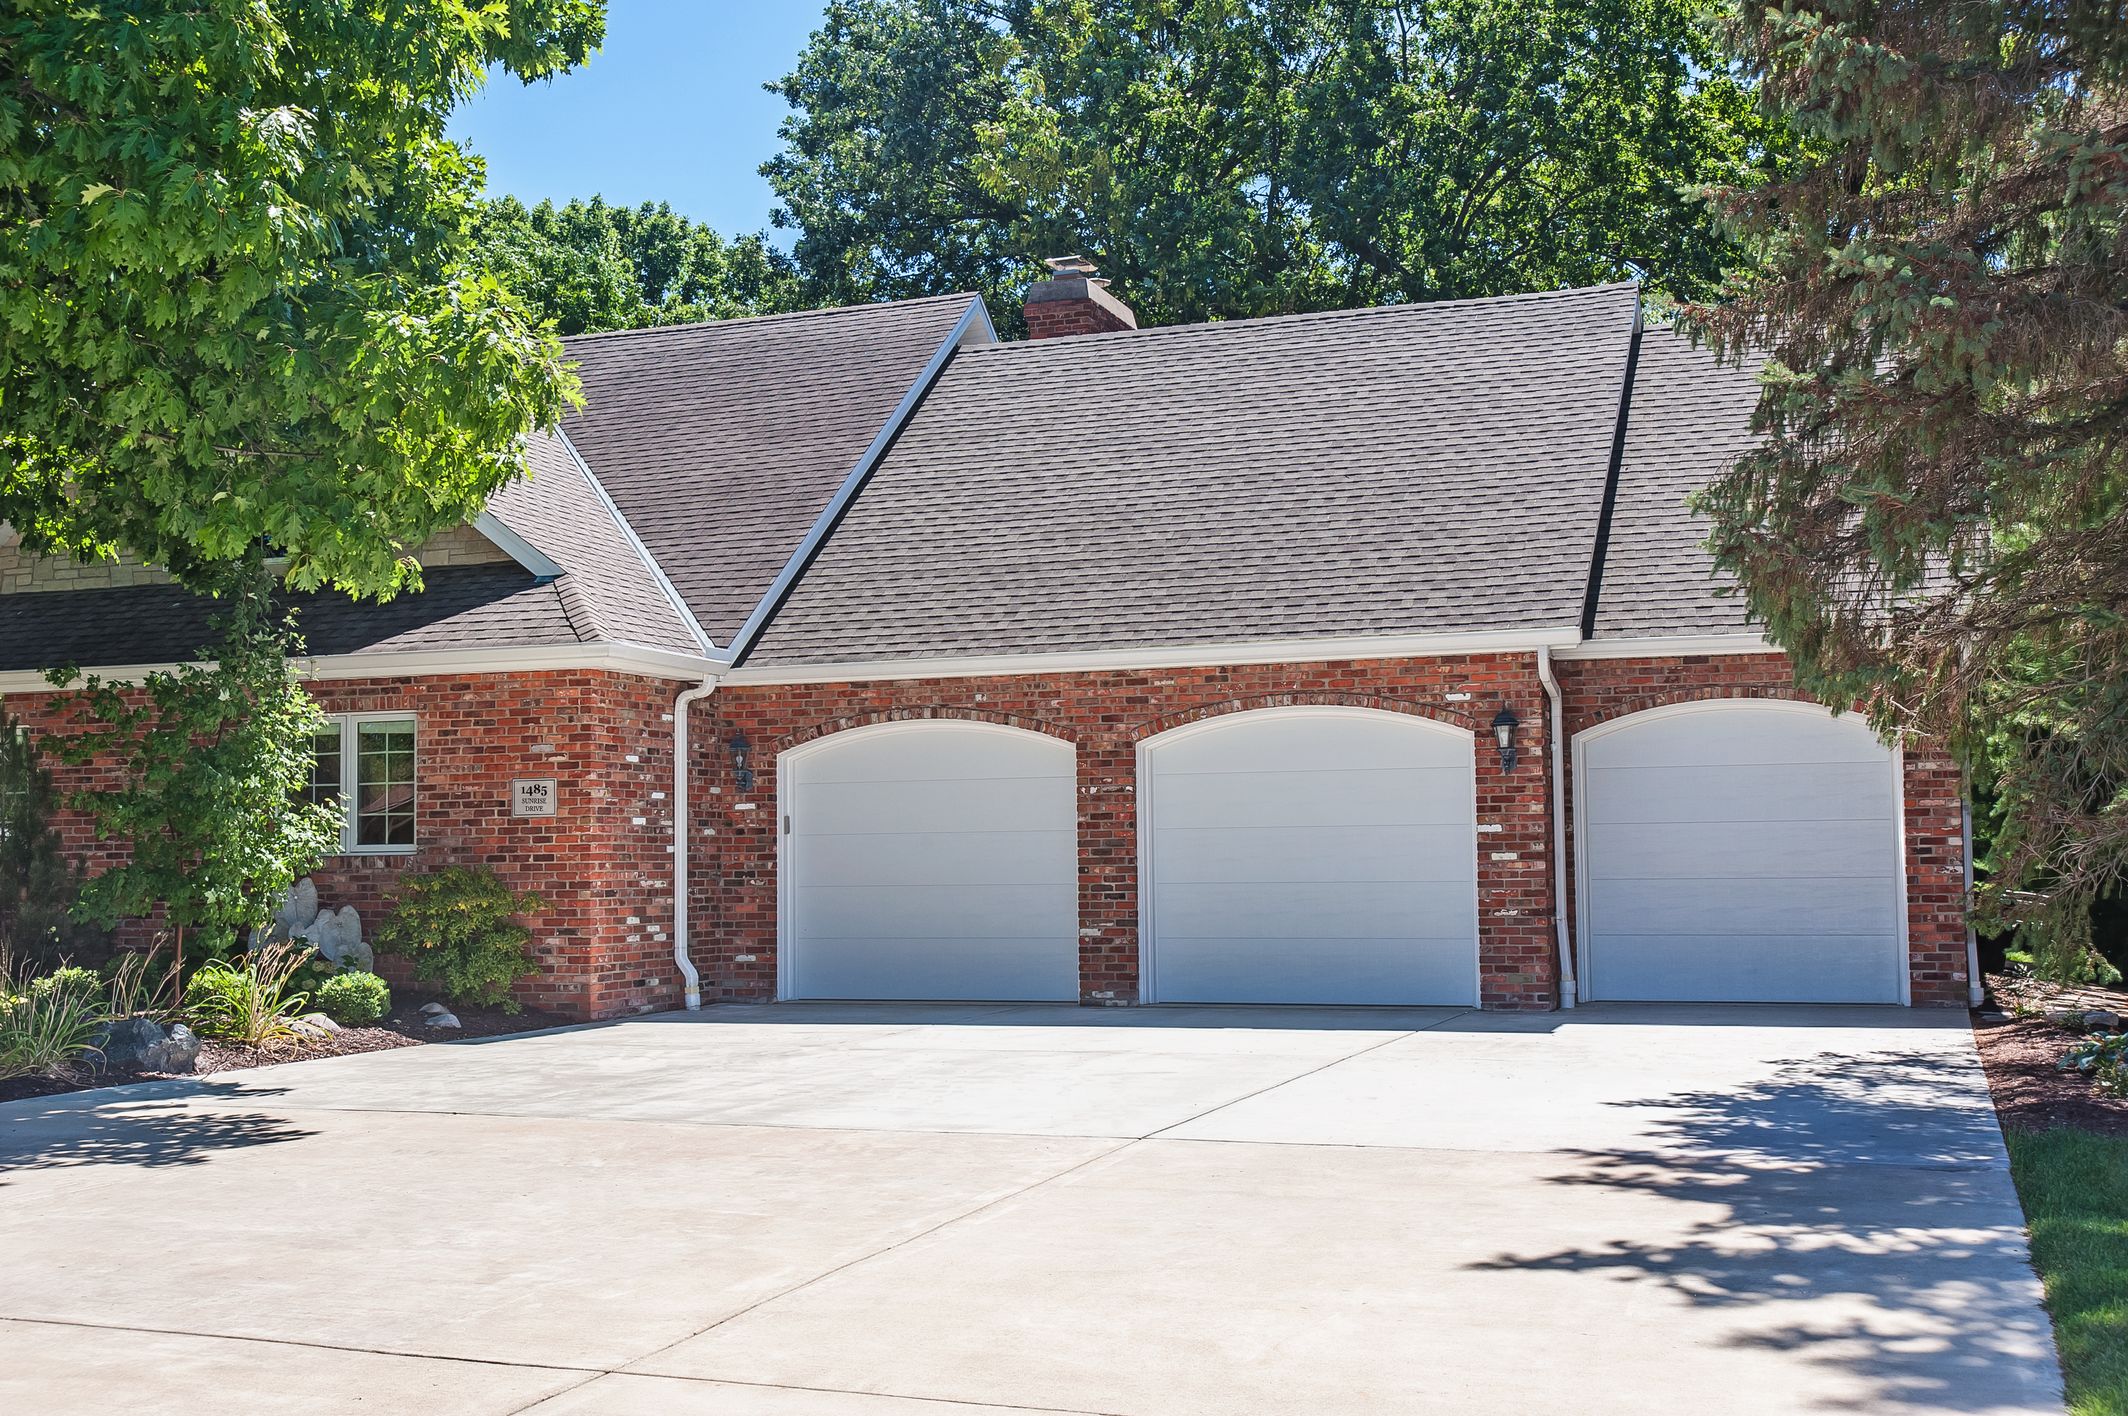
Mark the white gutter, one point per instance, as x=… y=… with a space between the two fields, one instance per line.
x=615 y=655
x=1666 y=646
x=1557 y=733
x=681 y=840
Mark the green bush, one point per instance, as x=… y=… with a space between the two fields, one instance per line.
x=459 y=927
x=69 y=978
x=251 y=1001
x=45 y=1032
x=2104 y=1058
x=353 y=999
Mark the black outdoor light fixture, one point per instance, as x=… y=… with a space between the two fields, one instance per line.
x=1504 y=724
x=741 y=751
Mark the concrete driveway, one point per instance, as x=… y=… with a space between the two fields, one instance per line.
x=920 y=1211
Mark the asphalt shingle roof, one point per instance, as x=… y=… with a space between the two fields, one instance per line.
x=606 y=585
x=723 y=442
x=464 y=607
x=1691 y=418
x=1414 y=469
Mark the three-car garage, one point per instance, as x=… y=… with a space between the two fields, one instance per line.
x=1726 y=851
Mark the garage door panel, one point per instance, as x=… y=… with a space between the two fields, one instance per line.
x=932 y=860
x=1247 y=743
x=930 y=967
x=1771 y=737
x=1731 y=850
x=934 y=911
x=1312 y=969
x=1857 y=908
x=1741 y=852
x=1743 y=968
x=841 y=808
x=942 y=752
x=1310 y=854
x=1390 y=797
x=1780 y=793
x=936 y=858
x=1342 y=910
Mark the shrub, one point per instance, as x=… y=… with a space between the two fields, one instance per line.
x=45 y=1032
x=353 y=999
x=459 y=927
x=251 y=1001
x=2104 y=1058
x=71 y=979
x=37 y=884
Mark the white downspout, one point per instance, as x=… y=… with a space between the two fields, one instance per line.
x=681 y=839
x=1557 y=734
x=1975 y=990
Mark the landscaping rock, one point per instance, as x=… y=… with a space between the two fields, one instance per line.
x=431 y=1009
x=144 y=1045
x=2100 y=1020
x=315 y=1026
x=445 y=1019
x=337 y=936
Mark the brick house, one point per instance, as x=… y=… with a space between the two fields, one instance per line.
x=1365 y=657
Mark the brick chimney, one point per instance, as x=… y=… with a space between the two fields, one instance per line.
x=1074 y=300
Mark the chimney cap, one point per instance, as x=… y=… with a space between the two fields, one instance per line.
x=1068 y=266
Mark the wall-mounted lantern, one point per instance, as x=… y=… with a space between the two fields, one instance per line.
x=1504 y=724
x=741 y=754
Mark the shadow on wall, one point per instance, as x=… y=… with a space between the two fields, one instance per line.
x=90 y=1129
x=1920 y=1231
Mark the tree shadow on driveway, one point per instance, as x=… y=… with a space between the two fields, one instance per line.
x=88 y=1129
x=1853 y=1210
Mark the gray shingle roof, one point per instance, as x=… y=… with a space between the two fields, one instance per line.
x=1408 y=470
x=608 y=588
x=464 y=607
x=1691 y=418
x=723 y=442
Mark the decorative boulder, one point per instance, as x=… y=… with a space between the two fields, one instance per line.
x=444 y=1019
x=299 y=909
x=144 y=1045
x=337 y=936
x=2102 y=1020
x=313 y=1026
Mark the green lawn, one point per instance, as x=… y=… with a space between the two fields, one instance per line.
x=2075 y=1191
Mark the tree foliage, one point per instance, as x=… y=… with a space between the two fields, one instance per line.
x=1242 y=157
x=235 y=300
x=204 y=768
x=1937 y=520
x=587 y=266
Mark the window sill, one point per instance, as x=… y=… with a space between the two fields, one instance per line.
x=355 y=851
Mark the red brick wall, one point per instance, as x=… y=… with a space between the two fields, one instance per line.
x=1106 y=715
x=1059 y=319
x=603 y=862
x=1598 y=690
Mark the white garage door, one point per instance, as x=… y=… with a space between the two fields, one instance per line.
x=1310 y=855
x=931 y=860
x=1740 y=852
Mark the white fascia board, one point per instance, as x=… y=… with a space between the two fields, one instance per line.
x=1658 y=646
x=974 y=327
x=612 y=656
x=1194 y=656
x=635 y=542
x=516 y=547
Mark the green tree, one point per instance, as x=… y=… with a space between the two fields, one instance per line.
x=587 y=266
x=1242 y=157
x=208 y=763
x=237 y=304
x=1937 y=519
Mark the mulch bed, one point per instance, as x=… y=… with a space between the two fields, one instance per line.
x=2020 y=1055
x=403 y=1027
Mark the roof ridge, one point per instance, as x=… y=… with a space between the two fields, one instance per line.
x=790 y=315
x=1203 y=327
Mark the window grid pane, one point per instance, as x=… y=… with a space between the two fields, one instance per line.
x=384 y=783
x=324 y=786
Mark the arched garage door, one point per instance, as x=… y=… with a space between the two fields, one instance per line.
x=933 y=859
x=1309 y=855
x=1740 y=851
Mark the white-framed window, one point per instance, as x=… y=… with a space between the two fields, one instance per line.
x=364 y=763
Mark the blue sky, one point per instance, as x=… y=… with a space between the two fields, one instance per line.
x=670 y=110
